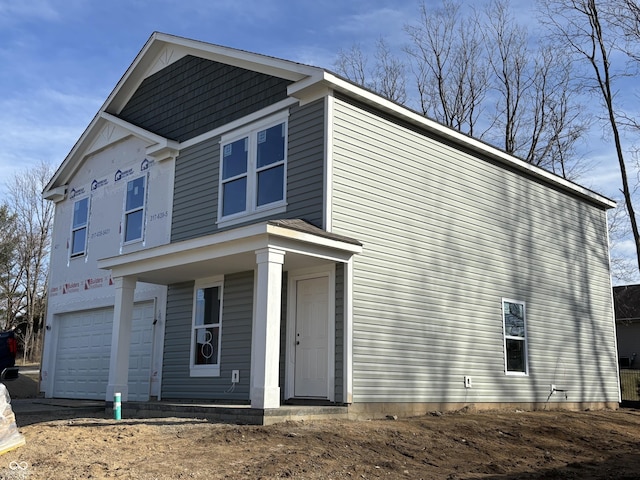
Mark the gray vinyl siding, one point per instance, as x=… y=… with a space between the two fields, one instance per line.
x=446 y=236
x=194 y=95
x=305 y=167
x=235 y=349
x=195 y=191
x=195 y=203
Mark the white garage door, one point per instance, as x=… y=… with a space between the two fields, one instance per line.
x=83 y=350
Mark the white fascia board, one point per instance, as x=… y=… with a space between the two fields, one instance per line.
x=177 y=258
x=229 y=242
x=141 y=133
x=241 y=58
x=157 y=45
x=309 y=238
x=133 y=76
x=56 y=194
x=306 y=87
x=314 y=250
x=70 y=164
x=160 y=147
x=185 y=245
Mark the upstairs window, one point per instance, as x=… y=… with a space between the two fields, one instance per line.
x=515 y=337
x=134 y=210
x=79 y=227
x=206 y=329
x=253 y=170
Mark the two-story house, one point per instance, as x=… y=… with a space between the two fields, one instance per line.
x=233 y=227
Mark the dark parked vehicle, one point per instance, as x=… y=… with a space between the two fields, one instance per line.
x=8 y=350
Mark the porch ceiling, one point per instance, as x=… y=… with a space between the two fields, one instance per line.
x=232 y=251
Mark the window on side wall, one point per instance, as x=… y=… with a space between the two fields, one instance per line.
x=515 y=337
x=79 y=227
x=134 y=210
x=206 y=329
x=253 y=164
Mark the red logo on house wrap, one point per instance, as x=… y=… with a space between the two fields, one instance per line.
x=90 y=283
x=72 y=287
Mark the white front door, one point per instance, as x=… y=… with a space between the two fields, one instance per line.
x=312 y=338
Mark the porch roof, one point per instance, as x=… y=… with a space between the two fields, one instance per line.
x=233 y=251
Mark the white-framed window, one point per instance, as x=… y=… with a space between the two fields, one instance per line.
x=253 y=170
x=79 y=227
x=206 y=328
x=515 y=337
x=134 y=203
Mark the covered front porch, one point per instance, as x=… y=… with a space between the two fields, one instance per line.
x=308 y=255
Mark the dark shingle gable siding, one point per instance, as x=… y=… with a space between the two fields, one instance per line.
x=194 y=95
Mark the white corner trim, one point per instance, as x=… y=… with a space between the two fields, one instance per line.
x=348 y=332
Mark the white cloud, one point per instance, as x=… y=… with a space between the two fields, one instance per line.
x=383 y=22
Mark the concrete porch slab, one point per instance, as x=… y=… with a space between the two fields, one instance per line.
x=239 y=414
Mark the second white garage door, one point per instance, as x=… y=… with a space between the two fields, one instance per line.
x=83 y=350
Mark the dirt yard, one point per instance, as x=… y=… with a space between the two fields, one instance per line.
x=454 y=446
x=490 y=445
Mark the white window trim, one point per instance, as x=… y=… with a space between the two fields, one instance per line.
x=524 y=339
x=206 y=370
x=86 y=227
x=126 y=212
x=253 y=211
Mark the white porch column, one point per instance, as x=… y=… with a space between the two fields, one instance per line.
x=121 y=338
x=265 y=338
x=348 y=331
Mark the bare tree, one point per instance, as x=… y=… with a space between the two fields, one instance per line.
x=449 y=66
x=623 y=268
x=387 y=77
x=556 y=122
x=352 y=64
x=582 y=27
x=483 y=75
x=11 y=295
x=34 y=218
x=536 y=116
x=509 y=60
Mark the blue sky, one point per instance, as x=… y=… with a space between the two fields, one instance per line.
x=60 y=59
